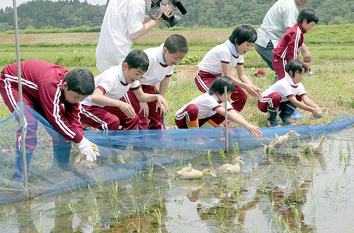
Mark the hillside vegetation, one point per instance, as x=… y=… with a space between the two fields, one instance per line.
x=38 y=14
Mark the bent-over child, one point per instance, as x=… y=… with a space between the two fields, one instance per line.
x=161 y=62
x=208 y=109
x=104 y=109
x=286 y=95
x=55 y=93
x=290 y=44
x=222 y=58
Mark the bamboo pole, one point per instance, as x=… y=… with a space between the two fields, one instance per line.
x=21 y=112
x=226 y=127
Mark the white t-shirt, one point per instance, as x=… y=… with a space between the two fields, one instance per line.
x=282 y=15
x=206 y=104
x=113 y=84
x=122 y=18
x=286 y=88
x=158 y=68
x=211 y=62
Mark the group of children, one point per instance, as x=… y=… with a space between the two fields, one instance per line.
x=125 y=96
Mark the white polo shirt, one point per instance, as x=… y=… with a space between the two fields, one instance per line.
x=122 y=18
x=282 y=15
x=286 y=88
x=211 y=62
x=207 y=104
x=158 y=68
x=113 y=84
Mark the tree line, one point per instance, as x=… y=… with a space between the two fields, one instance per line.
x=42 y=14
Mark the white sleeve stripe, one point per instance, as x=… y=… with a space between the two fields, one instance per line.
x=23 y=81
x=56 y=110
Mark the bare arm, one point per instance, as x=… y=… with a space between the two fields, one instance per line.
x=161 y=101
x=243 y=81
x=163 y=86
x=308 y=105
x=306 y=53
x=150 y=24
x=99 y=98
x=236 y=117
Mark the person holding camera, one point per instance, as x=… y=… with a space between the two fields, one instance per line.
x=124 y=22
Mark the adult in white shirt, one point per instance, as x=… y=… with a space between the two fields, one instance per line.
x=279 y=18
x=124 y=22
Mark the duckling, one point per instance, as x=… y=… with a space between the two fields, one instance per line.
x=231 y=168
x=315 y=147
x=188 y=173
x=81 y=163
x=321 y=113
x=279 y=141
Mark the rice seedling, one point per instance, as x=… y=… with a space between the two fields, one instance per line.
x=71 y=209
x=252 y=156
x=95 y=213
x=150 y=171
x=137 y=174
x=222 y=155
x=40 y=227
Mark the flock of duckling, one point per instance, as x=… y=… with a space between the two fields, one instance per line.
x=190 y=173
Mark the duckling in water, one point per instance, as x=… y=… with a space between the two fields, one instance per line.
x=279 y=141
x=315 y=147
x=188 y=173
x=81 y=163
x=231 y=168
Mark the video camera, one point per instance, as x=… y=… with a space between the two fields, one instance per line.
x=172 y=21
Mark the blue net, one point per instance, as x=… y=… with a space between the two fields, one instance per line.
x=123 y=153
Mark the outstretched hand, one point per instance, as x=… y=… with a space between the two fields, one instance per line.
x=254 y=131
x=254 y=91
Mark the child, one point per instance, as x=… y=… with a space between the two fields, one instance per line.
x=161 y=62
x=104 y=109
x=286 y=94
x=46 y=87
x=222 y=58
x=207 y=109
x=290 y=45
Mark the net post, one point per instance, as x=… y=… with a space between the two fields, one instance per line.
x=21 y=112
x=226 y=127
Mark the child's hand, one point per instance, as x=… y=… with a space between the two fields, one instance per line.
x=254 y=91
x=127 y=109
x=254 y=131
x=144 y=108
x=161 y=104
x=316 y=112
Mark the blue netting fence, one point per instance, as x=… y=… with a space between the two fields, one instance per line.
x=123 y=153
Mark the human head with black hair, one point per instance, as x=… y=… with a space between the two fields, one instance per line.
x=308 y=18
x=135 y=65
x=137 y=59
x=296 y=69
x=243 y=33
x=309 y=14
x=219 y=83
x=243 y=37
x=175 y=49
x=78 y=84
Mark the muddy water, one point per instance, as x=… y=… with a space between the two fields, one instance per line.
x=288 y=191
